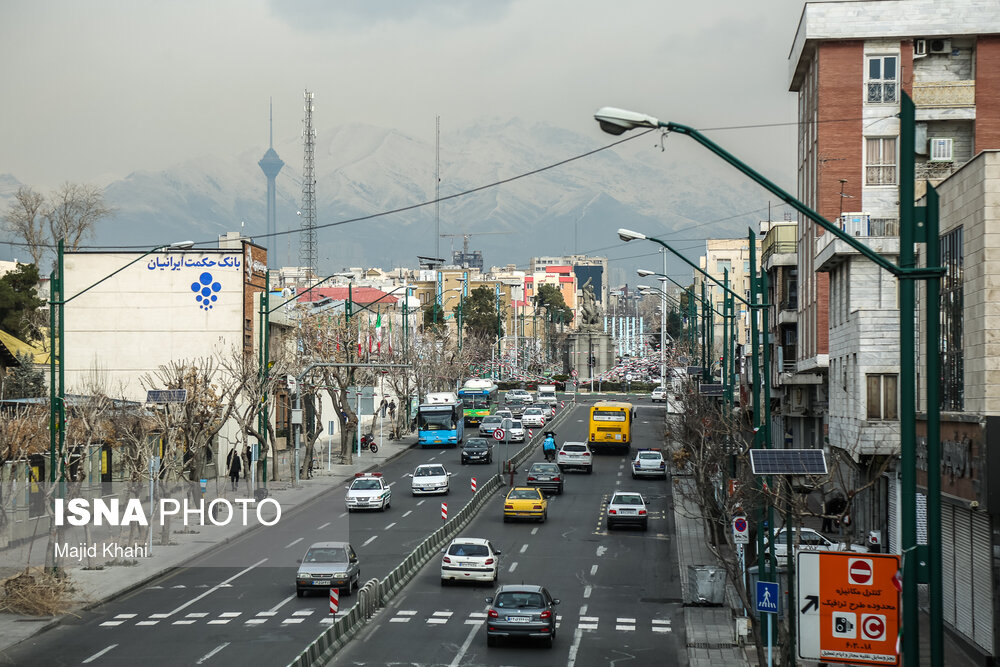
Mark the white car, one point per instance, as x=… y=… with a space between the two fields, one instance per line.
x=649 y=463
x=517 y=396
x=368 y=491
x=807 y=539
x=533 y=417
x=575 y=455
x=514 y=430
x=659 y=394
x=470 y=559
x=429 y=478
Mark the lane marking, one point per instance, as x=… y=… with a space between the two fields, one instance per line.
x=575 y=646
x=147 y=622
x=189 y=622
x=275 y=608
x=323 y=526
x=465 y=646
x=625 y=628
x=111 y=624
x=593 y=570
x=524 y=548
x=601 y=550
x=99 y=654
x=406 y=612
x=303 y=612
x=534 y=531
x=157 y=615
x=587 y=590
x=408 y=513
x=292 y=544
x=126 y=616
x=252 y=621
x=512 y=566
x=215 y=588
x=400 y=619
x=288 y=621
x=369 y=540
x=389 y=526
x=197 y=614
x=421 y=502
x=440 y=617
x=212 y=652
x=627 y=620
x=342 y=515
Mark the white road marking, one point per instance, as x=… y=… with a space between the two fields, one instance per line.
x=303 y=612
x=369 y=540
x=271 y=613
x=481 y=615
x=99 y=654
x=157 y=615
x=111 y=624
x=389 y=526
x=126 y=616
x=512 y=566
x=575 y=646
x=400 y=619
x=197 y=614
x=587 y=590
x=342 y=515
x=534 y=531
x=215 y=588
x=275 y=608
x=212 y=652
x=440 y=617
x=421 y=502
x=323 y=526
x=524 y=548
x=465 y=646
x=406 y=612
x=408 y=513
x=288 y=621
x=593 y=570
x=188 y=622
x=220 y=621
x=147 y=622
x=178 y=586
x=627 y=620
x=252 y=621
x=625 y=628
x=292 y=544
x=432 y=458
x=601 y=550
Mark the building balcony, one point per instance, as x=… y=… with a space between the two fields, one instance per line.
x=779 y=247
x=944 y=94
x=879 y=234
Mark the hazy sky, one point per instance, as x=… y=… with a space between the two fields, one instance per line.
x=93 y=90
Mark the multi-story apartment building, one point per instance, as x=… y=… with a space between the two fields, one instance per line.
x=732 y=257
x=850 y=64
x=584 y=267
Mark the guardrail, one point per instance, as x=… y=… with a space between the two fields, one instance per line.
x=375 y=594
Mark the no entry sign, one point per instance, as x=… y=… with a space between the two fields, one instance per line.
x=859 y=572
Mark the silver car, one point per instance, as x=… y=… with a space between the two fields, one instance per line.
x=326 y=565
x=519 y=610
x=490 y=424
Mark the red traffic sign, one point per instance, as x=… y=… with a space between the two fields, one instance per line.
x=498 y=434
x=859 y=571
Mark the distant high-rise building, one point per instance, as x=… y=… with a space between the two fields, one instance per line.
x=271 y=164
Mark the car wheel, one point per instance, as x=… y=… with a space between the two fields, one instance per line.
x=444 y=582
x=489 y=459
x=590 y=470
x=608 y=525
x=550 y=640
x=387 y=506
x=645 y=526
x=299 y=592
x=560 y=489
x=545 y=515
x=491 y=641
x=506 y=519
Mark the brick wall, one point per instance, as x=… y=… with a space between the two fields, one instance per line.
x=987 y=92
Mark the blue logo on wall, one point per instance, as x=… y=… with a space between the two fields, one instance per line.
x=205 y=290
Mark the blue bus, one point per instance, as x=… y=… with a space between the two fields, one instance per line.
x=440 y=420
x=478 y=397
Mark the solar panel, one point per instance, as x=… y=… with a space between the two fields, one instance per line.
x=710 y=389
x=788 y=461
x=166 y=395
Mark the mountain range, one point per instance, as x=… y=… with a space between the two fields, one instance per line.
x=657 y=185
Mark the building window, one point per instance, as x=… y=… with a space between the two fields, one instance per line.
x=881 y=81
x=723 y=265
x=882 y=396
x=880 y=160
x=952 y=304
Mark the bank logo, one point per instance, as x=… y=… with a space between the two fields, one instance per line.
x=205 y=290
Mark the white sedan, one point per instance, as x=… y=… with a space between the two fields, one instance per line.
x=368 y=491
x=470 y=559
x=533 y=417
x=429 y=478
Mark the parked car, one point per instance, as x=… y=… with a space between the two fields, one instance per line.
x=575 y=455
x=659 y=394
x=470 y=559
x=525 y=502
x=808 y=539
x=533 y=417
x=328 y=564
x=489 y=424
x=545 y=476
x=477 y=450
x=368 y=491
x=521 y=610
x=649 y=462
x=430 y=478
x=627 y=508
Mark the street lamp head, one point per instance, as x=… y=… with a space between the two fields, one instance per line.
x=628 y=235
x=618 y=121
x=644 y=288
x=645 y=272
x=180 y=245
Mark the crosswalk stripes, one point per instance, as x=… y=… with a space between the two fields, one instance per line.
x=439 y=617
x=661 y=625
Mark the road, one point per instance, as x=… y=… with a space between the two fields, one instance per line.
x=237 y=604
x=619 y=593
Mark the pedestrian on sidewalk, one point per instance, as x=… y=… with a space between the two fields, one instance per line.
x=235 y=463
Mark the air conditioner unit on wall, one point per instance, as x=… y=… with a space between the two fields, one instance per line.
x=939 y=46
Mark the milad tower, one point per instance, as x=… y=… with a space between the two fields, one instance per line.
x=271 y=164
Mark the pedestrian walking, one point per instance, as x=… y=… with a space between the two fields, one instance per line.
x=235 y=462
x=392 y=409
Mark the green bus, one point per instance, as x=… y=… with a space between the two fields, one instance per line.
x=479 y=398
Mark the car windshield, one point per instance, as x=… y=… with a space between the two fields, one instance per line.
x=366 y=485
x=649 y=455
x=546 y=468
x=468 y=550
x=574 y=448
x=518 y=600
x=516 y=424
x=435 y=421
x=523 y=494
x=326 y=555
x=491 y=420
x=476 y=443
x=532 y=411
x=429 y=471
x=627 y=500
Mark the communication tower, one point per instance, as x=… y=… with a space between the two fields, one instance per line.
x=307 y=239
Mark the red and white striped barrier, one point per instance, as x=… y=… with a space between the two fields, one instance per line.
x=562 y=404
x=444 y=511
x=334 y=599
x=531 y=434
x=473 y=484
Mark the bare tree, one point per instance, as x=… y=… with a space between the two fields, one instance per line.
x=70 y=213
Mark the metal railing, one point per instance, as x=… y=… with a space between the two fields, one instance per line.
x=375 y=594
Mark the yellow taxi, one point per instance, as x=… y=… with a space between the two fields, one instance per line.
x=525 y=502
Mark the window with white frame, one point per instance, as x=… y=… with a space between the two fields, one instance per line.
x=881 y=80
x=880 y=160
x=722 y=265
x=882 y=401
x=941 y=149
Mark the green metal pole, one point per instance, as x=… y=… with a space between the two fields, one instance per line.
x=704 y=334
x=62 y=363
x=350 y=301
x=53 y=393
x=727 y=396
x=907 y=388
x=265 y=333
x=932 y=344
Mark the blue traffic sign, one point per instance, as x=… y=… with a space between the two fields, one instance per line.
x=767 y=597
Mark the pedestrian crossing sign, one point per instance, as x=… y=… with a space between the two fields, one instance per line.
x=767 y=597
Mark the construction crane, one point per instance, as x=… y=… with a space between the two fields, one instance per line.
x=465 y=242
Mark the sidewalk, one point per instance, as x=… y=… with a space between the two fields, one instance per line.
x=710 y=631
x=93 y=587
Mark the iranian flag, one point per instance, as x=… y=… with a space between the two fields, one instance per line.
x=359 y=338
x=390 y=337
x=378 y=333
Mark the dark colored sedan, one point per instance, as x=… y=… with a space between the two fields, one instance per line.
x=545 y=476
x=477 y=450
x=520 y=610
